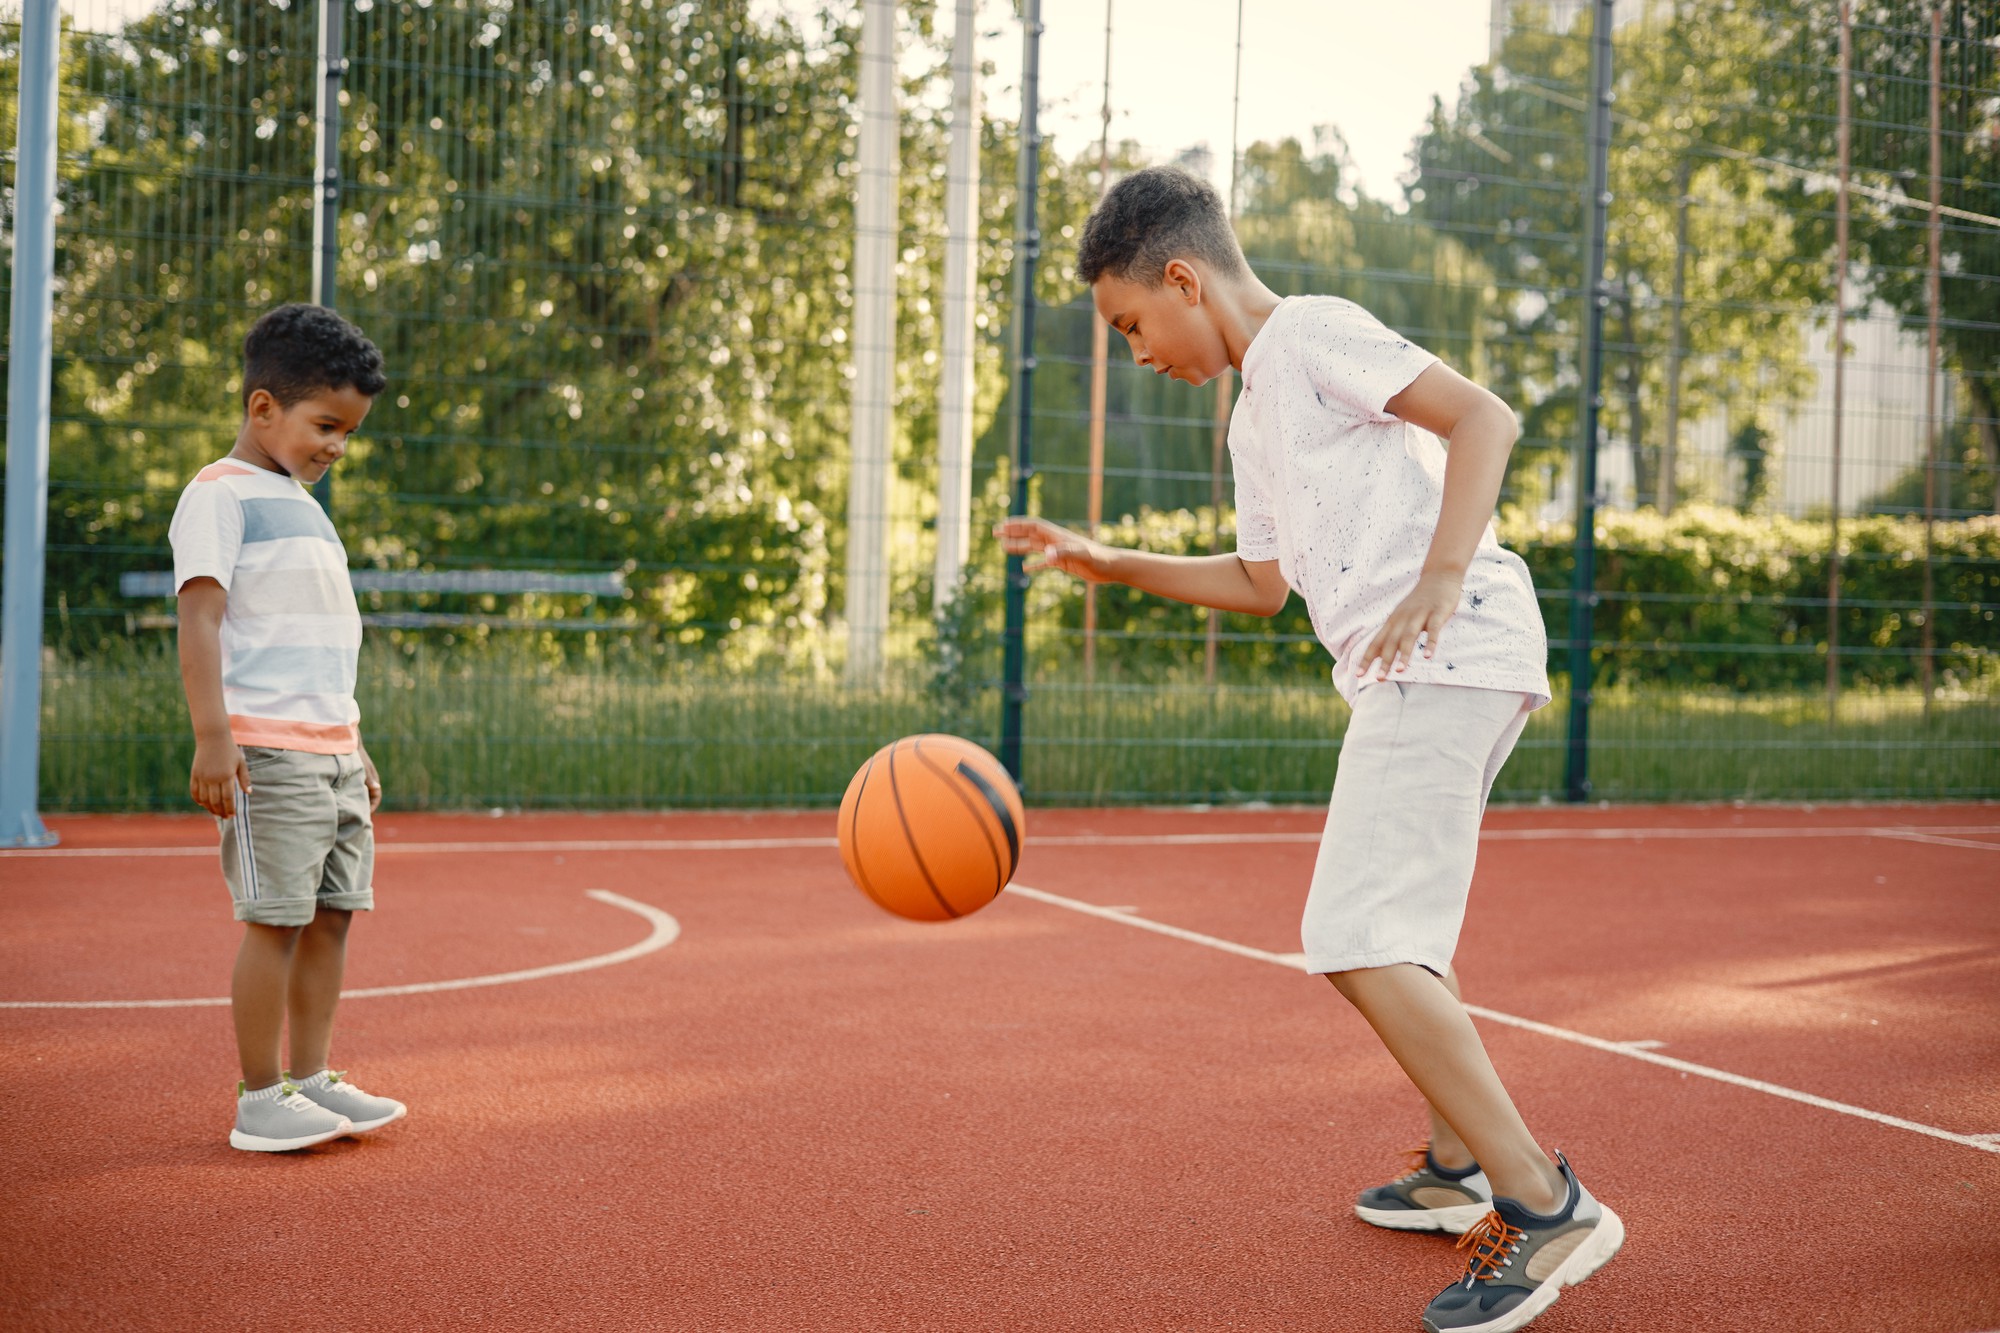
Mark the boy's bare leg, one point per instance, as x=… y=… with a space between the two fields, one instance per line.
x=1447 y=1149
x=1420 y=1019
x=257 y=999
x=315 y=989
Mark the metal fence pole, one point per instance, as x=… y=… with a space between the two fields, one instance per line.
x=1027 y=246
x=1928 y=672
x=1583 y=594
x=326 y=177
x=871 y=424
x=957 y=380
x=1840 y=251
x=29 y=357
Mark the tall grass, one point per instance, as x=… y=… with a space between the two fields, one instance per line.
x=493 y=726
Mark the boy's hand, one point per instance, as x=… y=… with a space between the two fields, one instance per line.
x=1058 y=547
x=373 y=779
x=219 y=772
x=1423 y=613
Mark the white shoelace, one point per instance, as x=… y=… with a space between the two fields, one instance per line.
x=297 y=1101
x=338 y=1083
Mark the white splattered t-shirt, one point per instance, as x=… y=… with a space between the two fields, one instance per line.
x=1345 y=497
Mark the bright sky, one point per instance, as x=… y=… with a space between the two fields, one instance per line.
x=1366 y=66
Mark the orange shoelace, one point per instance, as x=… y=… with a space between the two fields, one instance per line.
x=1491 y=1241
x=1420 y=1157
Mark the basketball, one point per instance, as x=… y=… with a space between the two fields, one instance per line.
x=931 y=827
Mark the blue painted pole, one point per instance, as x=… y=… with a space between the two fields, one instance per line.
x=28 y=430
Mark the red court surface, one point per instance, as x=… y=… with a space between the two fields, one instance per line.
x=777 y=1108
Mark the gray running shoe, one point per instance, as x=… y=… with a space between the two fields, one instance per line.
x=330 y=1089
x=1521 y=1261
x=1429 y=1198
x=278 y=1119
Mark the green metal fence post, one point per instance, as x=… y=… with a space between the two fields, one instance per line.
x=326 y=176
x=1583 y=583
x=1013 y=666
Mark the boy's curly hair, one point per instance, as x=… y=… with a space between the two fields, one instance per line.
x=297 y=350
x=1154 y=216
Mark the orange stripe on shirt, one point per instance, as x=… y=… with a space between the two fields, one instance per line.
x=281 y=734
x=217 y=471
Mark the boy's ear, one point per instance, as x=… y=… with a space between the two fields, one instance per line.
x=1183 y=279
x=262 y=407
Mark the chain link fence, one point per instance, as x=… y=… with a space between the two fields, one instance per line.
x=598 y=517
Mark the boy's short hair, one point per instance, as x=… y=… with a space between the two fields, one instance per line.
x=1152 y=217
x=296 y=350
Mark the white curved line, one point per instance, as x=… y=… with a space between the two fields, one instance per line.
x=665 y=931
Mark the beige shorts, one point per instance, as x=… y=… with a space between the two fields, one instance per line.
x=302 y=838
x=1402 y=833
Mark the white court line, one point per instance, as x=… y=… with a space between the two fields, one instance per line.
x=390 y=848
x=1912 y=835
x=665 y=931
x=1630 y=1050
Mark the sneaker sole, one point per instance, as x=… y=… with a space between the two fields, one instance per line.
x=1606 y=1240
x=1452 y=1221
x=253 y=1143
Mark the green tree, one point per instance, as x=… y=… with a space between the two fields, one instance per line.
x=1504 y=170
x=1890 y=150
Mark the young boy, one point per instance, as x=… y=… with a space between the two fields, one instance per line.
x=1344 y=495
x=269 y=637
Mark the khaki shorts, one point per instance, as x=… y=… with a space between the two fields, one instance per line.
x=1402 y=832
x=302 y=838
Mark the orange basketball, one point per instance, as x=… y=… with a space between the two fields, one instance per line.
x=931 y=827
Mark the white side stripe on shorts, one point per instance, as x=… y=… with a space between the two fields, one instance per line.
x=246 y=851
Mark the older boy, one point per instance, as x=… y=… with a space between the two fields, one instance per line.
x=269 y=637
x=1345 y=496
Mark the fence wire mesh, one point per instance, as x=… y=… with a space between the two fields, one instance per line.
x=609 y=252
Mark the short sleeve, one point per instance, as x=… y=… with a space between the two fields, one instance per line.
x=1354 y=361
x=206 y=534
x=1256 y=523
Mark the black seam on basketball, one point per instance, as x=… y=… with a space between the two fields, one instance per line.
x=992 y=794
x=911 y=838
x=854 y=839
x=917 y=748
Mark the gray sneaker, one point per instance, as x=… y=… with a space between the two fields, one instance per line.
x=1521 y=1261
x=330 y=1089
x=278 y=1119
x=1429 y=1198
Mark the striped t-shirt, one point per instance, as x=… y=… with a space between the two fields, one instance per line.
x=291 y=633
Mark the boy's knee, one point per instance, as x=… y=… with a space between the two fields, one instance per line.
x=263 y=933
x=331 y=921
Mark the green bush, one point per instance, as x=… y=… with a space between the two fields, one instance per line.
x=1705 y=596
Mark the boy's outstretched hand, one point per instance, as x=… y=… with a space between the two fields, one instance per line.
x=1056 y=548
x=1422 y=614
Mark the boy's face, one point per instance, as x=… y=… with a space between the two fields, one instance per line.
x=304 y=440
x=1168 y=326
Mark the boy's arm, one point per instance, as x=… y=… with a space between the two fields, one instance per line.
x=1482 y=431
x=218 y=769
x=1225 y=582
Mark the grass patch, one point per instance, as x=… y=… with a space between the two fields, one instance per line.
x=496 y=727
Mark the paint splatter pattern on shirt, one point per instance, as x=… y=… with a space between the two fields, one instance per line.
x=1345 y=497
